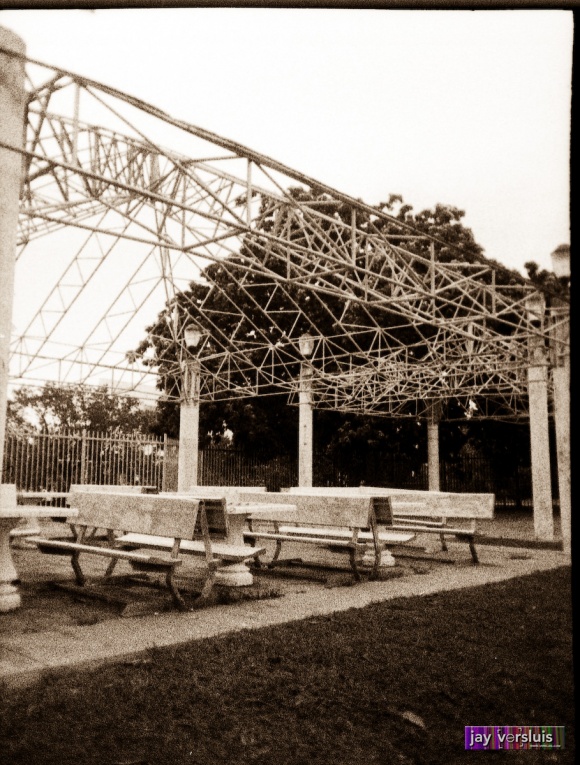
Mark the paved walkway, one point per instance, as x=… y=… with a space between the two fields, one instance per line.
x=27 y=653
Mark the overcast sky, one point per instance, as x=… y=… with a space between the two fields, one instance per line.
x=468 y=108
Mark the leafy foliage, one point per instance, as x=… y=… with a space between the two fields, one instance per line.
x=75 y=407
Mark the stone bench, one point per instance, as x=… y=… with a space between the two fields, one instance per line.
x=158 y=523
x=422 y=512
x=347 y=523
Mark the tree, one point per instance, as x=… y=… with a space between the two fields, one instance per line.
x=75 y=407
x=547 y=281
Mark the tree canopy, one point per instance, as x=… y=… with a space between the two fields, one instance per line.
x=55 y=407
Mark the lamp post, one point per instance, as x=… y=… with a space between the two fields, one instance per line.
x=560 y=315
x=539 y=429
x=189 y=412
x=305 y=430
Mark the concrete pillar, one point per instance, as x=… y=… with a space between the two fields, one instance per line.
x=562 y=418
x=12 y=112
x=305 y=426
x=561 y=381
x=433 y=447
x=539 y=441
x=560 y=341
x=189 y=429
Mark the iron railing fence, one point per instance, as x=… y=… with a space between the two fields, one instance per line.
x=238 y=467
x=54 y=461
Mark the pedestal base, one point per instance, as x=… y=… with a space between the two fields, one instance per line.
x=237 y=575
x=387 y=558
x=9 y=598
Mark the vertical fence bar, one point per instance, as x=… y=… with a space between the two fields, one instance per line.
x=84 y=456
x=164 y=464
x=18 y=470
x=98 y=448
x=33 y=464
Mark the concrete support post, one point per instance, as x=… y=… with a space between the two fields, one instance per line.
x=305 y=426
x=433 y=448
x=189 y=429
x=539 y=442
x=560 y=343
x=561 y=381
x=12 y=113
x=562 y=418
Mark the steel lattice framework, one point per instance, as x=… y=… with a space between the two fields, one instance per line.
x=115 y=228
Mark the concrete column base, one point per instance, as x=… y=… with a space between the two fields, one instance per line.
x=237 y=575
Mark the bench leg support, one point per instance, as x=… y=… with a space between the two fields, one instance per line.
x=110 y=568
x=473 y=551
x=208 y=584
x=175 y=594
x=277 y=552
x=352 y=554
x=79 y=576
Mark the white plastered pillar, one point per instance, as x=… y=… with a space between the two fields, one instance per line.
x=561 y=383
x=12 y=111
x=539 y=439
x=305 y=426
x=189 y=428
x=433 y=461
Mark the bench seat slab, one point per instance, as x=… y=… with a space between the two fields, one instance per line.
x=48 y=545
x=238 y=553
x=384 y=536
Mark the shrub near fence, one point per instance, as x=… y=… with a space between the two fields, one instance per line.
x=54 y=461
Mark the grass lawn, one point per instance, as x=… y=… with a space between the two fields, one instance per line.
x=393 y=683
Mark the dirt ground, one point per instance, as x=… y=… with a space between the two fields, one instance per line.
x=46 y=607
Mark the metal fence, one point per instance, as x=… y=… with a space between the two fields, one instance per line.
x=54 y=461
x=236 y=467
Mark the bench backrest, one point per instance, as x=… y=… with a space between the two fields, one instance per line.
x=139 y=513
x=473 y=506
x=442 y=504
x=217 y=519
x=317 y=510
x=215 y=508
x=216 y=498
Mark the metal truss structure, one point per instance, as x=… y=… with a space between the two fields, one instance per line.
x=119 y=233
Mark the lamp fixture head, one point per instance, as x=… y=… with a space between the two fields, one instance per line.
x=561 y=261
x=192 y=335
x=306 y=343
